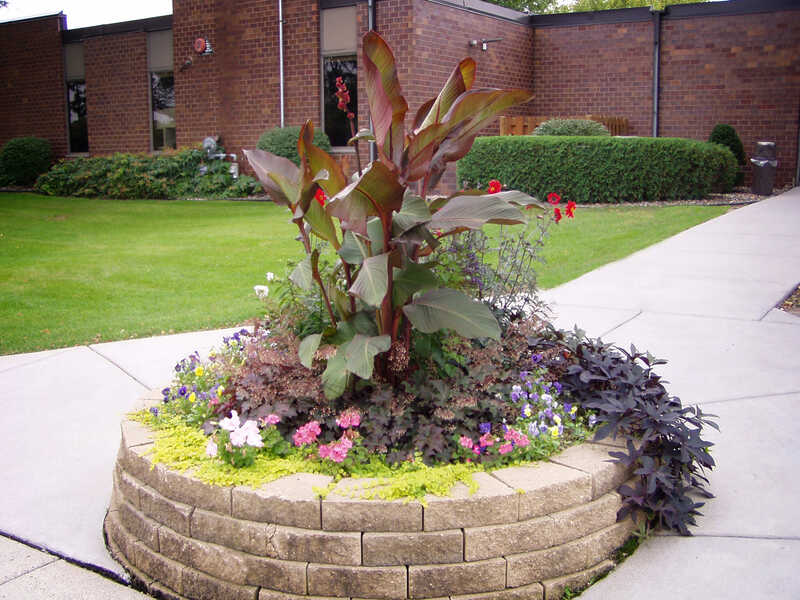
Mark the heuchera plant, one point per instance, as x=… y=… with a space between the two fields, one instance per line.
x=383 y=287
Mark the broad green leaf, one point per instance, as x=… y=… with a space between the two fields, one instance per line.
x=413 y=212
x=264 y=163
x=376 y=193
x=322 y=224
x=445 y=308
x=372 y=281
x=375 y=234
x=414 y=278
x=460 y=80
x=387 y=107
x=341 y=301
x=361 y=322
x=308 y=347
x=473 y=212
x=334 y=377
x=361 y=352
x=354 y=248
x=318 y=160
x=302 y=275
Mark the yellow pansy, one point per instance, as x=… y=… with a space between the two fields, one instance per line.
x=192 y=397
x=199 y=371
x=554 y=431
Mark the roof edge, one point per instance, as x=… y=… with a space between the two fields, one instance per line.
x=149 y=24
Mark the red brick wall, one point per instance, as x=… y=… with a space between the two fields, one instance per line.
x=117 y=93
x=740 y=70
x=32 y=88
x=595 y=69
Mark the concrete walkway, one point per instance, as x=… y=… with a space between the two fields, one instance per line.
x=703 y=300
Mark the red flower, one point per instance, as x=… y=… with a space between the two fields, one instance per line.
x=571 y=209
x=557 y=214
x=351 y=116
x=320 y=196
x=553 y=198
x=495 y=186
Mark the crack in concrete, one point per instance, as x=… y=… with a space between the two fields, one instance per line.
x=753 y=397
x=120 y=367
x=28 y=572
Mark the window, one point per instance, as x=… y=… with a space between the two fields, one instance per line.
x=339 y=43
x=76 y=98
x=162 y=89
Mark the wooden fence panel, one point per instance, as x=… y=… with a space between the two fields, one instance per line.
x=526 y=125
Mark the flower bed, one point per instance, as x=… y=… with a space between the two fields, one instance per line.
x=527 y=532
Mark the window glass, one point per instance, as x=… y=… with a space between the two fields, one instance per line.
x=337 y=125
x=76 y=106
x=163 y=100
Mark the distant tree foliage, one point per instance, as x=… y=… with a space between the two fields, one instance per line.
x=540 y=7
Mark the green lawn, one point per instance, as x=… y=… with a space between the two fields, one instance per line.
x=75 y=271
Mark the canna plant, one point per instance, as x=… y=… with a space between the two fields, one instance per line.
x=383 y=287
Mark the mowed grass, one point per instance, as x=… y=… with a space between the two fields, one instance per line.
x=77 y=271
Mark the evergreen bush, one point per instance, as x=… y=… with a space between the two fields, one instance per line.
x=571 y=127
x=600 y=169
x=23 y=159
x=727 y=136
x=283 y=142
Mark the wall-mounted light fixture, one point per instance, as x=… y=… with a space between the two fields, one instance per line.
x=203 y=46
x=484 y=43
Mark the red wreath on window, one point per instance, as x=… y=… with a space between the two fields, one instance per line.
x=199 y=45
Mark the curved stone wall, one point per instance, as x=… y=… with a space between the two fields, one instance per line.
x=525 y=534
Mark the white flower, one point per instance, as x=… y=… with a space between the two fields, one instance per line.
x=547 y=399
x=262 y=291
x=270 y=275
x=232 y=423
x=247 y=434
x=211 y=448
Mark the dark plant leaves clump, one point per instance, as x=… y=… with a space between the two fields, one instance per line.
x=663 y=437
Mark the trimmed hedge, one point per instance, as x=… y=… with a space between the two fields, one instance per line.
x=131 y=176
x=600 y=169
x=571 y=127
x=23 y=159
x=283 y=142
x=727 y=136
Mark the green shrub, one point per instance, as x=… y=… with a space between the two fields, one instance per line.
x=23 y=159
x=131 y=176
x=283 y=142
x=571 y=127
x=600 y=169
x=727 y=136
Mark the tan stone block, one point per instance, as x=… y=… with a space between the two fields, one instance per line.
x=534 y=591
x=162 y=592
x=388 y=583
x=127 y=486
x=344 y=510
x=136 y=462
x=308 y=545
x=141 y=527
x=120 y=540
x=247 y=536
x=148 y=400
x=530 y=567
x=459 y=578
x=431 y=547
x=265 y=594
x=554 y=588
x=580 y=521
x=494 y=503
x=184 y=488
x=174 y=546
x=602 y=544
x=287 y=501
x=278 y=575
x=219 y=561
x=199 y=586
x=135 y=434
x=494 y=541
x=161 y=569
x=174 y=515
x=594 y=460
x=546 y=487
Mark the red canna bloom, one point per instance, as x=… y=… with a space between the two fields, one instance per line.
x=351 y=116
x=557 y=214
x=570 y=210
x=495 y=186
x=320 y=196
x=553 y=198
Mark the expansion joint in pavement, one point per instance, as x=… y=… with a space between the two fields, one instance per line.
x=29 y=571
x=753 y=397
x=618 y=325
x=120 y=367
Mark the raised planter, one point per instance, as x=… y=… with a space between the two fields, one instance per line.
x=527 y=533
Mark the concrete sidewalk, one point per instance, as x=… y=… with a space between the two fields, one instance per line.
x=703 y=300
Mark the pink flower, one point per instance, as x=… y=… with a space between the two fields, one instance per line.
x=487 y=439
x=505 y=448
x=466 y=442
x=516 y=438
x=211 y=448
x=307 y=434
x=271 y=419
x=336 y=451
x=349 y=418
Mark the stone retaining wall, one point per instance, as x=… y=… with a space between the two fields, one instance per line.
x=525 y=534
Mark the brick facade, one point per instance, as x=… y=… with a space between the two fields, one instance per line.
x=32 y=89
x=117 y=93
x=735 y=68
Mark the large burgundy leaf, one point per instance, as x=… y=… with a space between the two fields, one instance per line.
x=376 y=193
x=460 y=81
x=319 y=160
x=264 y=163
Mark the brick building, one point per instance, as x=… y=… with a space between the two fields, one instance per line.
x=214 y=68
